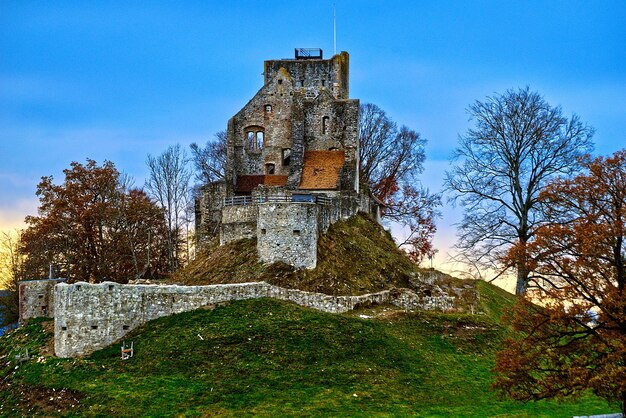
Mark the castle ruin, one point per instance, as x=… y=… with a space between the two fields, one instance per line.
x=292 y=164
x=292 y=170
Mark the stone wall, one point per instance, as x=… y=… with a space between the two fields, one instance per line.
x=315 y=74
x=208 y=210
x=238 y=222
x=92 y=316
x=346 y=204
x=303 y=105
x=36 y=298
x=288 y=232
x=270 y=111
x=280 y=242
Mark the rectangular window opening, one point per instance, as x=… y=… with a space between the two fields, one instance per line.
x=263 y=231
x=63 y=328
x=325 y=123
x=126 y=327
x=296 y=232
x=286 y=157
x=94 y=327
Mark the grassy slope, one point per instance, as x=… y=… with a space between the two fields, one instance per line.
x=270 y=358
x=355 y=256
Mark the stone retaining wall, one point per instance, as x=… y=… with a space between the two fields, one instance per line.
x=288 y=232
x=92 y=316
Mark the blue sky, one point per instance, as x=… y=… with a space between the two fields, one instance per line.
x=118 y=80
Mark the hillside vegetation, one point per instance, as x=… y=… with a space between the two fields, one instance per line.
x=355 y=256
x=270 y=358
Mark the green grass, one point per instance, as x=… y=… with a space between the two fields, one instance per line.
x=354 y=256
x=270 y=358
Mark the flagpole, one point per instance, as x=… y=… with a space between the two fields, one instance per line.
x=334 y=30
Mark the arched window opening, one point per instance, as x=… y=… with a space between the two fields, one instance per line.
x=254 y=138
x=286 y=157
x=325 y=124
x=270 y=168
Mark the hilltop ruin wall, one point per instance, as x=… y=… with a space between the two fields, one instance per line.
x=89 y=317
x=36 y=298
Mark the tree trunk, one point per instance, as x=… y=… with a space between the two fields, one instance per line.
x=522 y=279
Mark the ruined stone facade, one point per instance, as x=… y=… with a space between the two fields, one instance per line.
x=292 y=159
x=36 y=298
x=88 y=317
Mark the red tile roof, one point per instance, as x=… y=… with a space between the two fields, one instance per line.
x=320 y=170
x=246 y=183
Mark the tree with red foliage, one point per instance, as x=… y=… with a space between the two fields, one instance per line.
x=576 y=339
x=93 y=227
x=390 y=162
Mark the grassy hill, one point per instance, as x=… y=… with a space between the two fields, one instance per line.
x=355 y=256
x=270 y=358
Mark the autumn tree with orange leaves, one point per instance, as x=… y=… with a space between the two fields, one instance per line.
x=576 y=339
x=93 y=227
x=390 y=161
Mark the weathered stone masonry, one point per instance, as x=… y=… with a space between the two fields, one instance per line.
x=36 y=298
x=296 y=139
x=288 y=232
x=92 y=316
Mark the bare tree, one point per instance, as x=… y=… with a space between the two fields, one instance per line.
x=387 y=155
x=517 y=145
x=168 y=183
x=390 y=163
x=210 y=161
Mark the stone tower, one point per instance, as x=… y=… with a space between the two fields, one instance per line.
x=301 y=112
x=292 y=161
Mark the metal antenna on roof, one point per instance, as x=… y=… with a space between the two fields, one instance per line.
x=334 y=30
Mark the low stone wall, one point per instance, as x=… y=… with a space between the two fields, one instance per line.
x=92 y=316
x=36 y=298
